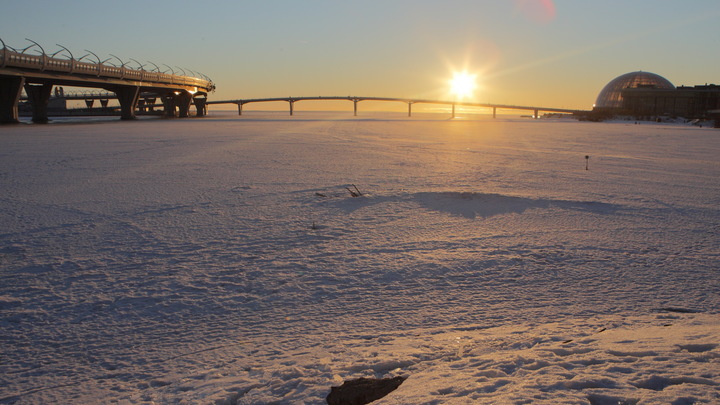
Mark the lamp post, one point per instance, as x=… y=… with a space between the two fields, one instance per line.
x=157 y=69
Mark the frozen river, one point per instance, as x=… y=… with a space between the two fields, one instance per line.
x=225 y=260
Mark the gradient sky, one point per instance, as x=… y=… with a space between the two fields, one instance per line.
x=534 y=52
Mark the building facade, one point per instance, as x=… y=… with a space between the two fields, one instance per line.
x=687 y=102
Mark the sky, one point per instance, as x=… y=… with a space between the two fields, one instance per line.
x=525 y=52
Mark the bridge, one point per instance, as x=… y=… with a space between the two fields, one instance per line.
x=38 y=73
x=409 y=101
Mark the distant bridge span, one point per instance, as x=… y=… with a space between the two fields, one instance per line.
x=37 y=74
x=410 y=101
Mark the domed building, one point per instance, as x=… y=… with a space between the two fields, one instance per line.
x=648 y=95
x=611 y=95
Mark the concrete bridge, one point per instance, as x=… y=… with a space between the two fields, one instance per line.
x=355 y=100
x=37 y=74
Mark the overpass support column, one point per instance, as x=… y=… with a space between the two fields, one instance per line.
x=150 y=103
x=239 y=108
x=169 y=105
x=200 y=106
x=184 y=100
x=128 y=97
x=355 y=107
x=10 y=89
x=494 y=112
x=38 y=96
x=292 y=104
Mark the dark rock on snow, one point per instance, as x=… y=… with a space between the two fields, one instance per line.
x=363 y=390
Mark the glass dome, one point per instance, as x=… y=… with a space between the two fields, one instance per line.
x=610 y=96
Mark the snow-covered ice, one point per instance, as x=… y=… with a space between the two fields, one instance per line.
x=222 y=260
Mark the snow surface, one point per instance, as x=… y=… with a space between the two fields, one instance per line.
x=222 y=260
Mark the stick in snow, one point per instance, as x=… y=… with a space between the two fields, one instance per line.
x=355 y=193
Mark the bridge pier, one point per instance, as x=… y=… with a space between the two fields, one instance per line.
x=292 y=104
x=128 y=98
x=239 y=108
x=410 y=103
x=10 y=89
x=535 y=115
x=494 y=112
x=169 y=105
x=355 y=101
x=453 y=110
x=200 y=106
x=184 y=100
x=150 y=103
x=38 y=96
x=89 y=102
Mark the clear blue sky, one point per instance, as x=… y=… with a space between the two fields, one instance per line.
x=537 y=52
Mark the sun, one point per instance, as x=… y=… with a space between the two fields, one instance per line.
x=463 y=84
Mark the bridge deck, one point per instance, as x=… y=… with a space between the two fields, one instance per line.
x=409 y=101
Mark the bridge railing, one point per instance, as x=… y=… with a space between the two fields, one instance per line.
x=10 y=57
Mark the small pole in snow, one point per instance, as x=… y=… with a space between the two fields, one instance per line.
x=587 y=162
x=355 y=193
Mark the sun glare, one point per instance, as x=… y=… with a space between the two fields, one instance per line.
x=463 y=84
